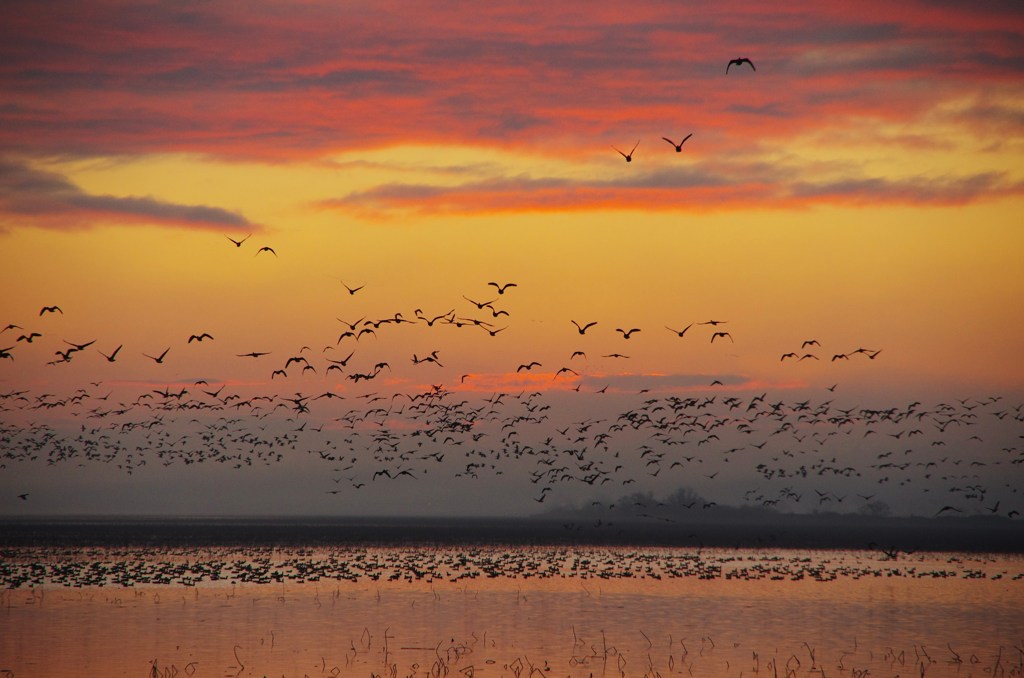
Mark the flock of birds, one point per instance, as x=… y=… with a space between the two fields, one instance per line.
x=796 y=455
x=190 y=567
x=794 y=452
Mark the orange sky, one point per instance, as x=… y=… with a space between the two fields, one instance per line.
x=862 y=187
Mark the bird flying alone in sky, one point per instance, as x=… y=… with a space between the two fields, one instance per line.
x=739 y=62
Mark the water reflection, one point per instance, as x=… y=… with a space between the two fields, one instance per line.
x=746 y=621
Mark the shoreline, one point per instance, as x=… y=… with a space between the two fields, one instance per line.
x=733 y=529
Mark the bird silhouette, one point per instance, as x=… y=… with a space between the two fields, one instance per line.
x=253 y=354
x=528 y=366
x=721 y=334
x=200 y=337
x=584 y=328
x=352 y=290
x=628 y=156
x=681 y=333
x=502 y=288
x=238 y=243
x=627 y=333
x=50 y=309
x=679 y=146
x=481 y=305
x=739 y=62
x=159 y=360
x=113 y=356
x=266 y=249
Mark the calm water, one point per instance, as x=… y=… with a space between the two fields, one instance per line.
x=510 y=612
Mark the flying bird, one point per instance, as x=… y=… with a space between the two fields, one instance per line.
x=584 y=328
x=502 y=288
x=50 y=309
x=739 y=62
x=721 y=334
x=200 y=337
x=352 y=290
x=528 y=367
x=679 y=146
x=158 y=360
x=253 y=354
x=681 y=332
x=238 y=243
x=480 y=304
x=627 y=333
x=266 y=249
x=628 y=156
x=113 y=356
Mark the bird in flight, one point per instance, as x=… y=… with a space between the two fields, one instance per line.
x=23 y=496
x=113 y=356
x=266 y=249
x=502 y=288
x=739 y=62
x=679 y=146
x=480 y=304
x=253 y=354
x=160 y=359
x=584 y=328
x=681 y=332
x=629 y=156
x=626 y=333
x=200 y=337
x=721 y=334
x=238 y=243
x=50 y=309
x=352 y=290
x=528 y=366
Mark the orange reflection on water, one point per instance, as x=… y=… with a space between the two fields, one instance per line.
x=921 y=613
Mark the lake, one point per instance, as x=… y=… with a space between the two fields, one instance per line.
x=518 y=611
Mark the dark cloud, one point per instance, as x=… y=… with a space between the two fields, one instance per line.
x=941 y=190
x=34 y=197
x=700 y=185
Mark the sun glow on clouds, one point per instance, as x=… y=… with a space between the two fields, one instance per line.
x=862 y=188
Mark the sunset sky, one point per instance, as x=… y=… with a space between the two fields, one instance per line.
x=862 y=188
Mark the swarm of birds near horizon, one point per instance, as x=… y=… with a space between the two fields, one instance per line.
x=793 y=453
x=787 y=445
